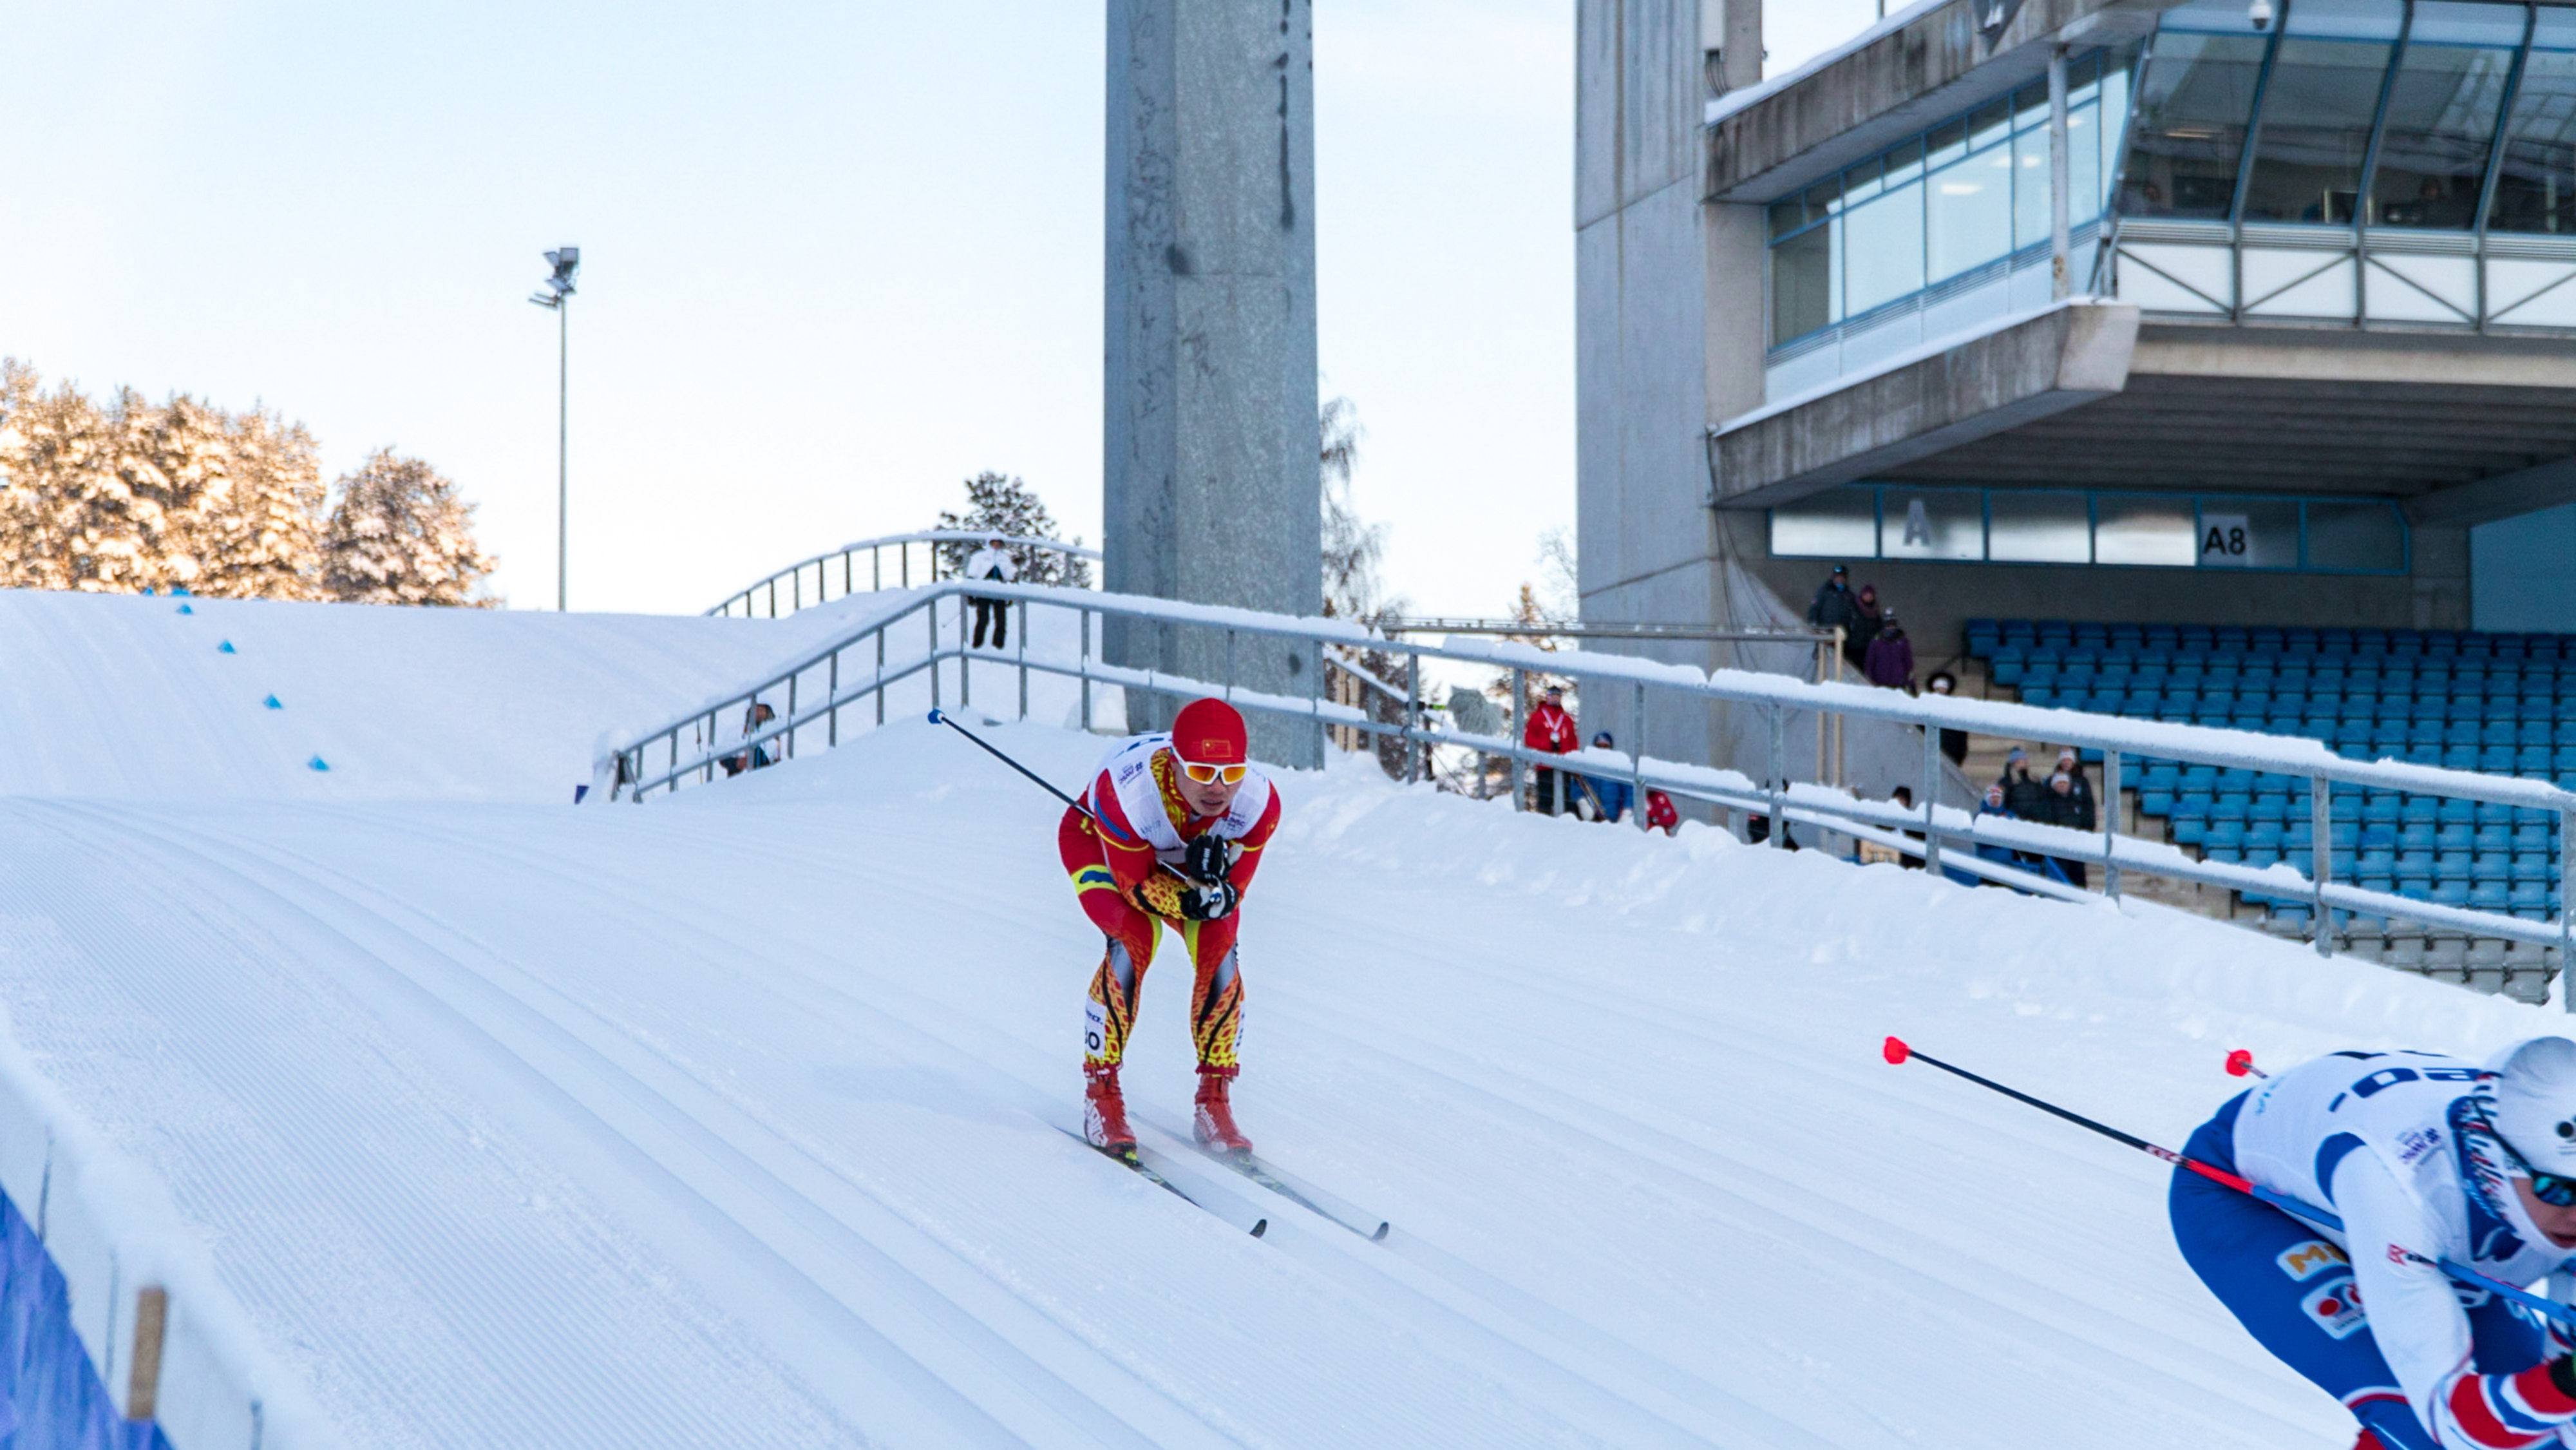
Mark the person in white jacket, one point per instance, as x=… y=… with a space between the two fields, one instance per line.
x=992 y=562
x=2423 y=1157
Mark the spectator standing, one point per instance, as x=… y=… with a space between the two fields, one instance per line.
x=1864 y=628
x=2082 y=786
x=1834 y=607
x=1660 y=815
x=1550 y=732
x=1994 y=805
x=2065 y=808
x=1889 y=663
x=1605 y=800
x=992 y=562
x=2027 y=798
x=1954 y=743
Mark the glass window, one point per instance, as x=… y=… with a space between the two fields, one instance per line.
x=2442 y=114
x=2249 y=533
x=2038 y=528
x=2193 y=104
x=2115 y=123
x=1970 y=213
x=1802 y=278
x=1883 y=250
x=2030 y=186
x=2083 y=165
x=1860 y=183
x=1933 y=523
x=1840 y=523
x=1905 y=163
x=2317 y=109
x=1946 y=144
x=2144 y=528
x=1988 y=126
x=2536 y=190
x=2356 y=536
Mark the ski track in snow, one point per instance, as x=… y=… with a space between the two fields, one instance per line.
x=731 y=1119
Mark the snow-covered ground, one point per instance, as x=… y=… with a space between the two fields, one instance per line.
x=726 y=1120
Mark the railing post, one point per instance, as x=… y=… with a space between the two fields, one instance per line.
x=1085 y=660
x=832 y=688
x=2566 y=901
x=903 y=558
x=773 y=596
x=796 y=589
x=1024 y=657
x=2111 y=824
x=932 y=613
x=2321 y=858
x=847 y=564
x=1520 y=722
x=1315 y=695
x=879 y=691
x=1637 y=764
x=789 y=753
x=876 y=568
x=1412 y=710
x=1931 y=796
x=1779 y=824
x=1229 y=664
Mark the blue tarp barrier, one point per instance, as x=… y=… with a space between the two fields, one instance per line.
x=50 y=1394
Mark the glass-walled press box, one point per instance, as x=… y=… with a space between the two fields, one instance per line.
x=2402 y=162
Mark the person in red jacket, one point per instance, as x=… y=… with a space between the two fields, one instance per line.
x=1660 y=815
x=1169 y=833
x=1552 y=732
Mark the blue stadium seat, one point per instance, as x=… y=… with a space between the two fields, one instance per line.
x=2531 y=760
x=2452 y=865
x=2533 y=866
x=2451 y=893
x=2454 y=809
x=2378 y=859
x=2456 y=836
x=2491 y=867
x=2492 y=838
x=2264 y=833
x=2298 y=836
x=2383 y=811
x=2273 y=808
x=2530 y=835
x=2495 y=759
x=2490 y=813
x=2490 y=896
x=2017 y=631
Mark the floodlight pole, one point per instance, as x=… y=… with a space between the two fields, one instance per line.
x=563 y=453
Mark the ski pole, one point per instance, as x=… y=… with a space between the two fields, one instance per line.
x=1897 y=1053
x=941 y=717
x=2241 y=1063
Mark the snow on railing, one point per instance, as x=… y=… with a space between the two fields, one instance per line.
x=166 y=1339
x=654 y=760
x=762 y=601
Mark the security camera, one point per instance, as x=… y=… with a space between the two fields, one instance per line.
x=2259 y=12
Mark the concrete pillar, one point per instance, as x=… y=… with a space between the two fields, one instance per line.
x=1211 y=480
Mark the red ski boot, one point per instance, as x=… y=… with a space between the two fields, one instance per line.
x=1104 y=1112
x=1214 y=1120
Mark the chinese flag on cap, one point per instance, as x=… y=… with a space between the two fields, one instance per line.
x=1210 y=732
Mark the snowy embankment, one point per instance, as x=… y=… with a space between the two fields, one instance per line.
x=727 y=1121
x=137 y=697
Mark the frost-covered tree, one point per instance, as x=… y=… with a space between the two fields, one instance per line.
x=400 y=535
x=1000 y=504
x=143 y=495
x=1353 y=548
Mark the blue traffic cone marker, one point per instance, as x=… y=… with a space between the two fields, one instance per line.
x=181 y=589
x=273 y=703
x=226 y=648
x=184 y=609
x=318 y=763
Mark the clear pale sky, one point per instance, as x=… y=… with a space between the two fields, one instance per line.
x=835 y=257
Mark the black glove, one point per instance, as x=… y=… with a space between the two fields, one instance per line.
x=1208 y=858
x=1209 y=900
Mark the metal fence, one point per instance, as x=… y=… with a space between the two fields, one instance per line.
x=764 y=600
x=854 y=672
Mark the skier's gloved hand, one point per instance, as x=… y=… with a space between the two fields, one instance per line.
x=1209 y=858
x=1209 y=900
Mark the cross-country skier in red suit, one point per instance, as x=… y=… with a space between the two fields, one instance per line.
x=1176 y=826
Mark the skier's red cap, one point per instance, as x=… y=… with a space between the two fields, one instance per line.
x=1210 y=732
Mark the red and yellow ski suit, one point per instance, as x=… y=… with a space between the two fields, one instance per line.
x=1115 y=862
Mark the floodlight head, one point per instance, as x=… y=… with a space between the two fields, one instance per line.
x=2260 y=13
x=545 y=299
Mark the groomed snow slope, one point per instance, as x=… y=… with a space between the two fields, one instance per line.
x=122 y=695
x=725 y=1121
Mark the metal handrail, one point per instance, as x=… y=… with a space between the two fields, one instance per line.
x=625 y=772
x=793 y=576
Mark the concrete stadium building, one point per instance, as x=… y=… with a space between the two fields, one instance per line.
x=2095 y=310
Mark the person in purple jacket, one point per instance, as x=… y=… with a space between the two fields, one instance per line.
x=1890 y=661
